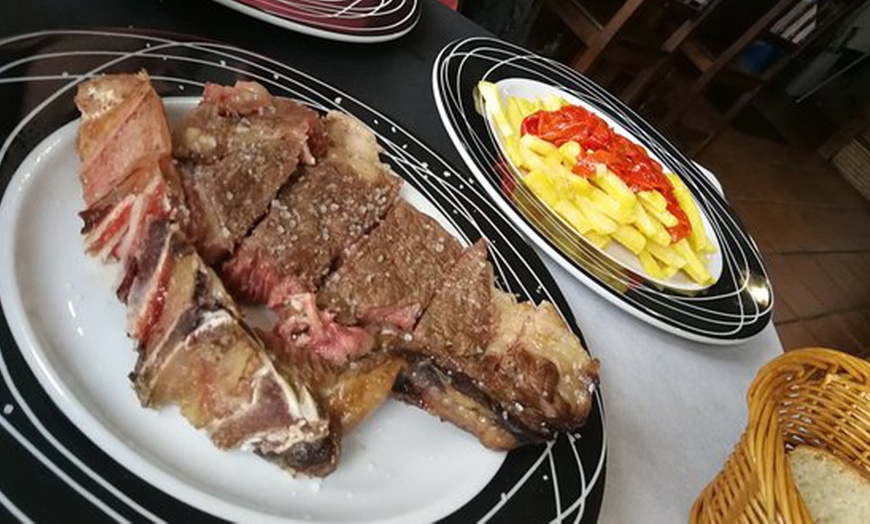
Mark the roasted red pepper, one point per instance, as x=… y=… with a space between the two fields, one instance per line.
x=600 y=144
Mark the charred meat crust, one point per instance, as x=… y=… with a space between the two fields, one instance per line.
x=315 y=459
x=530 y=367
x=454 y=397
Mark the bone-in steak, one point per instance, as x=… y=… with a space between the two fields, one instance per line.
x=200 y=355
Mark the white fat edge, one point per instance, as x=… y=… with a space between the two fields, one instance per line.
x=104 y=224
x=164 y=253
x=302 y=429
x=213 y=319
x=301 y=403
x=107 y=99
x=140 y=205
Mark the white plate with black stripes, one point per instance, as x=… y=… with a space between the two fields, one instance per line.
x=736 y=307
x=358 y=21
x=70 y=419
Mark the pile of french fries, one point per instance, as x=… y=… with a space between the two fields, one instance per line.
x=602 y=208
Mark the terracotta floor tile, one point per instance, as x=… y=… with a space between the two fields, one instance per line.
x=794 y=335
x=753 y=217
x=788 y=285
x=855 y=287
x=788 y=227
x=831 y=331
x=857 y=323
x=782 y=312
x=805 y=269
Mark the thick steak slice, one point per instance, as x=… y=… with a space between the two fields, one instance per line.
x=235 y=151
x=200 y=355
x=123 y=121
x=310 y=225
x=390 y=276
x=517 y=367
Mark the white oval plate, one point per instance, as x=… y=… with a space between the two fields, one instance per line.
x=61 y=307
x=616 y=252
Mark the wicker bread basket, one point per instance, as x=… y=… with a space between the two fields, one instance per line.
x=817 y=397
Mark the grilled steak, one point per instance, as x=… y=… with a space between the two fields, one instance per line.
x=315 y=219
x=200 y=355
x=390 y=276
x=235 y=151
x=507 y=372
x=123 y=122
x=372 y=297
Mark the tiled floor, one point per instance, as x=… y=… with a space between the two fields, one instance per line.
x=814 y=231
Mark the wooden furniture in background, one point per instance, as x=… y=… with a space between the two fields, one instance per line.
x=722 y=66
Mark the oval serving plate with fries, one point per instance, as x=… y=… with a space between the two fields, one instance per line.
x=731 y=299
x=630 y=226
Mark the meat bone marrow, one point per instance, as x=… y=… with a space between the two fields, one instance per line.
x=259 y=200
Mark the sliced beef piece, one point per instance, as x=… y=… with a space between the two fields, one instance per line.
x=390 y=276
x=115 y=224
x=235 y=151
x=123 y=122
x=308 y=330
x=199 y=354
x=517 y=366
x=310 y=225
x=350 y=390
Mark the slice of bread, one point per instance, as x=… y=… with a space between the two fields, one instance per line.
x=833 y=490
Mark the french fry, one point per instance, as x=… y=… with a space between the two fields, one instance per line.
x=601 y=223
x=615 y=187
x=511 y=146
x=694 y=268
x=599 y=241
x=538 y=145
x=610 y=206
x=573 y=215
x=649 y=264
x=669 y=271
x=698 y=237
x=653 y=199
x=528 y=106
x=570 y=151
x=553 y=102
x=514 y=114
x=651 y=228
x=662 y=215
x=630 y=237
x=494 y=106
x=668 y=255
x=539 y=184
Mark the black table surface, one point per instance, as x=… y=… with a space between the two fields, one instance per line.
x=394 y=77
